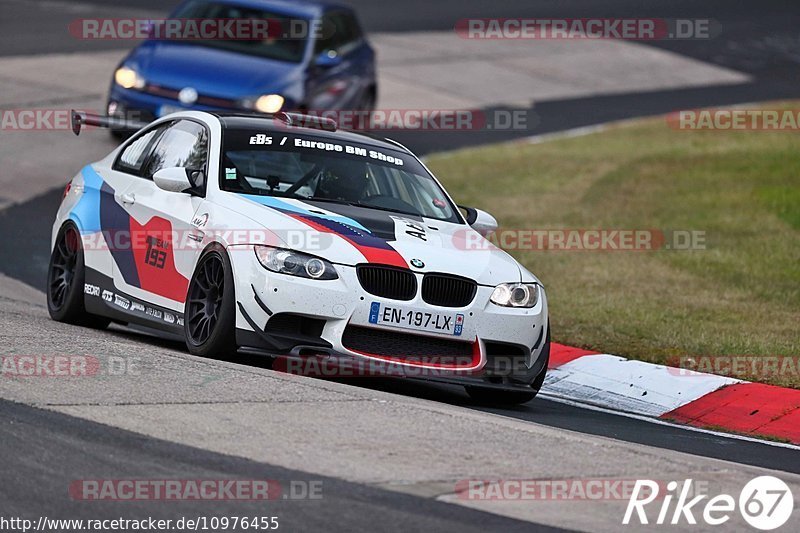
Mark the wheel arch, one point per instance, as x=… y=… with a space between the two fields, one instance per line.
x=220 y=248
x=214 y=246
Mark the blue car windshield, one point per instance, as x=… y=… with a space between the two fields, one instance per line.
x=259 y=33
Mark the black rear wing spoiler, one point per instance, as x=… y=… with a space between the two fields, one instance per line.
x=306 y=121
x=81 y=118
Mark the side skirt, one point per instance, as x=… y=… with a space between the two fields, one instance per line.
x=102 y=298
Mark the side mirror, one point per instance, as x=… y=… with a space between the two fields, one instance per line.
x=480 y=220
x=173 y=179
x=327 y=59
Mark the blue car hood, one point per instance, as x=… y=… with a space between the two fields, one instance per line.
x=211 y=71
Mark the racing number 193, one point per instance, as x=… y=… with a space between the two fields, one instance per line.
x=153 y=256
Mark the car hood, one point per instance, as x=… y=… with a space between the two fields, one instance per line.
x=352 y=235
x=211 y=71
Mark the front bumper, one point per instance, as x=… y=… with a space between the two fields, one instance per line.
x=498 y=346
x=146 y=107
x=140 y=105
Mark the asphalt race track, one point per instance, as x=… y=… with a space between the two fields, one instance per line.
x=170 y=416
x=380 y=448
x=60 y=440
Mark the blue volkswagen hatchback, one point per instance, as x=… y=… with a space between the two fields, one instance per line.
x=331 y=66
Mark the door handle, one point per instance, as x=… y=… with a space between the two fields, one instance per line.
x=128 y=198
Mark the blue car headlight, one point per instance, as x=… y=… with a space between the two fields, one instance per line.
x=269 y=103
x=266 y=103
x=294 y=263
x=128 y=78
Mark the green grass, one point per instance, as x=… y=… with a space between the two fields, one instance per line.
x=738 y=296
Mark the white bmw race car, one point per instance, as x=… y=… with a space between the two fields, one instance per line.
x=280 y=234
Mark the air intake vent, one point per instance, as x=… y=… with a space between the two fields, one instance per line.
x=387 y=282
x=448 y=291
x=406 y=345
x=295 y=325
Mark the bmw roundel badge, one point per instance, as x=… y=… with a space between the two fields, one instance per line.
x=188 y=95
x=417 y=263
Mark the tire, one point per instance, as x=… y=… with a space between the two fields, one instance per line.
x=210 y=314
x=65 y=281
x=501 y=397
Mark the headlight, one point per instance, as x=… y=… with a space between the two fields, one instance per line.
x=294 y=263
x=269 y=103
x=128 y=78
x=515 y=294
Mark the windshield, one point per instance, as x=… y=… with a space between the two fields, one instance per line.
x=313 y=169
x=273 y=46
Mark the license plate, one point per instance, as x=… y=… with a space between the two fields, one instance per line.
x=167 y=109
x=447 y=323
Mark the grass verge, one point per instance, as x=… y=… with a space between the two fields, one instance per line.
x=739 y=295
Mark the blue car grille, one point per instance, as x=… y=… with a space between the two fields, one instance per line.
x=202 y=99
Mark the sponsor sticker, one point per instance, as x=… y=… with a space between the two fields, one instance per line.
x=202 y=220
x=459 y=326
x=91 y=290
x=122 y=302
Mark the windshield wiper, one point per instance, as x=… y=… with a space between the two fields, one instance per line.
x=390 y=209
x=357 y=204
x=325 y=199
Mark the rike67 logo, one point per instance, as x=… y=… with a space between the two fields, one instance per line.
x=766 y=503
